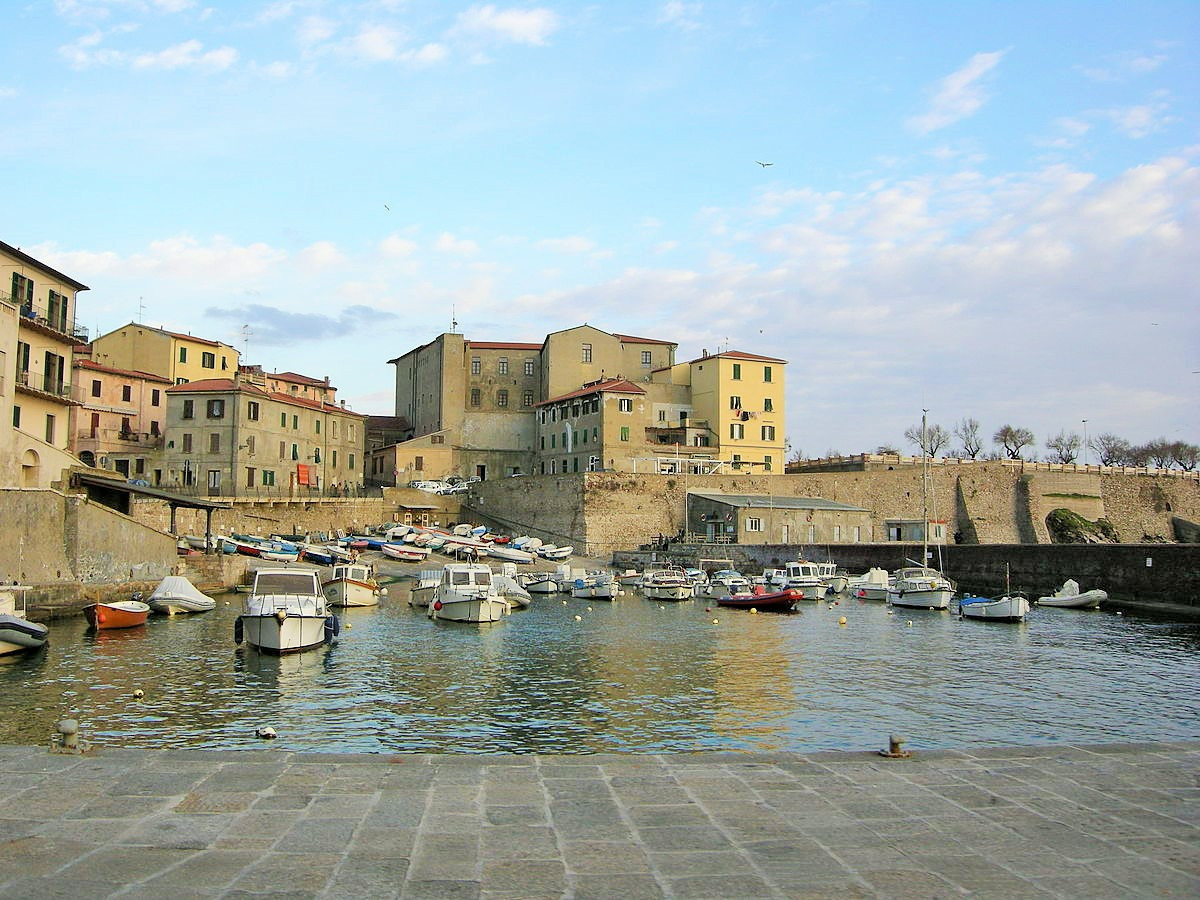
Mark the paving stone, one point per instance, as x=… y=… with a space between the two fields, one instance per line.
x=440 y=889
x=528 y=876
x=720 y=886
x=684 y=863
x=594 y=857
x=683 y=837
x=288 y=872
x=307 y=835
x=180 y=831
x=616 y=887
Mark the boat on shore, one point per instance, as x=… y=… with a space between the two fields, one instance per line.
x=175 y=594
x=285 y=612
x=1070 y=597
x=118 y=613
x=18 y=634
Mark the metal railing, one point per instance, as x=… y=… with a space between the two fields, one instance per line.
x=44 y=384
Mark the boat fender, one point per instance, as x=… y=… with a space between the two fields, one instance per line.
x=281 y=614
x=437 y=604
x=333 y=627
x=238 y=630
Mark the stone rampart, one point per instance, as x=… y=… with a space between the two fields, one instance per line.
x=267 y=516
x=1141 y=506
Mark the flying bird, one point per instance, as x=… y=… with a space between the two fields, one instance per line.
x=388 y=208
x=764 y=164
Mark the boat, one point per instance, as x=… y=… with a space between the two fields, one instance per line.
x=117 y=614
x=467 y=593
x=18 y=634
x=405 y=552
x=175 y=594
x=629 y=578
x=509 y=587
x=510 y=554
x=595 y=586
x=834 y=580
x=1008 y=608
x=352 y=584
x=285 y=612
x=805 y=577
x=871 y=585
x=774 y=601
x=422 y=590
x=1069 y=597
x=920 y=587
x=725 y=583
x=552 y=552
x=543 y=582
x=671 y=583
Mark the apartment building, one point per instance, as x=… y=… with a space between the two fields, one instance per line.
x=37 y=336
x=179 y=357
x=120 y=419
x=231 y=438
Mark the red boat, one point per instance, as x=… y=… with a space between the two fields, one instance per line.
x=777 y=601
x=122 y=614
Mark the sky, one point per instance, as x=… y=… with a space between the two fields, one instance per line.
x=979 y=209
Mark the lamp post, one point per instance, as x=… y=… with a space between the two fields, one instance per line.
x=1085 y=444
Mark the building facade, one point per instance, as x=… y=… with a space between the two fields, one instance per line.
x=768 y=519
x=37 y=337
x=231 y=438
x=120 y=419
x=179 y=357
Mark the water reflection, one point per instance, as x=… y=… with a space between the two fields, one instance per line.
x=630 y=675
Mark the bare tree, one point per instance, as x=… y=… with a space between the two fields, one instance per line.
x=1186 y=456
x=886 y=450
x=1111 y=450
x=1065 y=447
x=936 y=437
x=1159 y=451
x=1013 y=440
x=967 y=431
x=1138 y=455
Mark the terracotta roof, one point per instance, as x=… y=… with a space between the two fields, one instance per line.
x=97 y=367
x=630 y=339
x=738 y=354
x=214 y=385
x=295 y=378
x=502 y=345
x=608 y=386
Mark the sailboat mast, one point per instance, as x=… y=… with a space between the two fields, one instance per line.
x=924 y=494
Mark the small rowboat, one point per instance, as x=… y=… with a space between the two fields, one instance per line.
x=777 y=601
x=120 y=614
x=404 y=552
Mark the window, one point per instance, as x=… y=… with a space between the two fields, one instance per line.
x=126 y=430
x=189 y=408
x=856 y=531
x=474 y=396
x=181 y=381
x=768 y=463
x=624 y=432
x=56 y=314
x=753 y=523
x=224 y=364
x=528 y=367
x=317 y=423
x=646 y=359
x=268 y=477
x=503 y=365
x=768 y=432
x=252 y=410
x=49 y=429
x=295 y=423
x=22 y=290
x=333 y=458
x=735 y=402
x=154 y=427
x=812 y=534
x=767 y=374
x=502 y=398
x=737 y=371
x=625 y=404
x=553 y=439
x=249 y=477
x=316 y=454
x=437 y=439
x=334 y=427
x=476 y=365
x=214 y=442
x=350 y=462
x=216 y=408
x=187 y=443
x=295 y=451
x=662 y=415
x=737 y=431
x=837 y=532
x=183 y=354
x=587 y=353
x=214 y=479
x=139 y=466
x=16 y=417
x=208 y=360
x=283 y=449
x=126 y=393
x=95 y=387
x=527 y=399
x=154 y=397
x=768 y=405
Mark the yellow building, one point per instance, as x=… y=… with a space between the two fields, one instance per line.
x=37 y=334
x=179 y=357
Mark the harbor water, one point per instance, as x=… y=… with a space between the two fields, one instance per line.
x=628 y=675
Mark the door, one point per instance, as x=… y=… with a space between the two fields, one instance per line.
x=481 y=471
x=783 y=538
x=214 y=482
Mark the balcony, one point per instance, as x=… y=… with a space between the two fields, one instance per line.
x=29 y=382
x=54 y=323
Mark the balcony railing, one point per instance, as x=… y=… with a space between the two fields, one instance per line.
x=43 y=384
x=39 y=314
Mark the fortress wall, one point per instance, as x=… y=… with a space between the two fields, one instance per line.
x=1141 y=506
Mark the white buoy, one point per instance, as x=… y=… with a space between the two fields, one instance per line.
x=266 y=732
x=579 y=618
x=138 y=693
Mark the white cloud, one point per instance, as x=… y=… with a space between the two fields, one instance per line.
x=315 y=30
x=1122 y=66
x=518 y=26
x=1139 y=121
x=189 y=54
x=448 y=243
x=395 y=247
x=7 y=92
x=574 y=244
x=960 y=94
x=322 y=255
x=678 y=14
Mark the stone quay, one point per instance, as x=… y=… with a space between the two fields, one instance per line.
x=1063 y=820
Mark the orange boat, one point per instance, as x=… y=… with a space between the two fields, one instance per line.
x=121 y=614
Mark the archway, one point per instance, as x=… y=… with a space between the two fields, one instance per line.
x=87 y=457
x=31 y=469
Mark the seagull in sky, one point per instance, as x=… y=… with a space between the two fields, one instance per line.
x=764 y=164
x=388 y=208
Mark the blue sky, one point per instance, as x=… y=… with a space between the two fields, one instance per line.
x=982 y=209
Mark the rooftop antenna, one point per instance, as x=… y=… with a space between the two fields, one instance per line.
x=246 y=332
x=141 y=309
x=453 y=321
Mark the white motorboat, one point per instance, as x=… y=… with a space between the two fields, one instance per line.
x=1008 y=608
x=509 y=587
x=18 y=634
x=671 y=583
x=1070 y=597
x=552 y=552
x=595 y=586
x=834 y=580
x=920 y=587
x=725 y=583
x=285 y=612
x=175 y=594
x=352 y=584
x=805 y=577
x=871 y=585
x=545 y=582
x=467 y=593
x=421 y=592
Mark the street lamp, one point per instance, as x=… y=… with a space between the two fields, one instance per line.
x=1085 y=444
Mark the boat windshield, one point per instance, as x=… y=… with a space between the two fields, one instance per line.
x=286 y=583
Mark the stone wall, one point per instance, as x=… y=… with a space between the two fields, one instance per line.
x=1141 y=506
x=264 y=517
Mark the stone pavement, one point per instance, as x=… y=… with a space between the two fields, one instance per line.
x=1062 y=821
